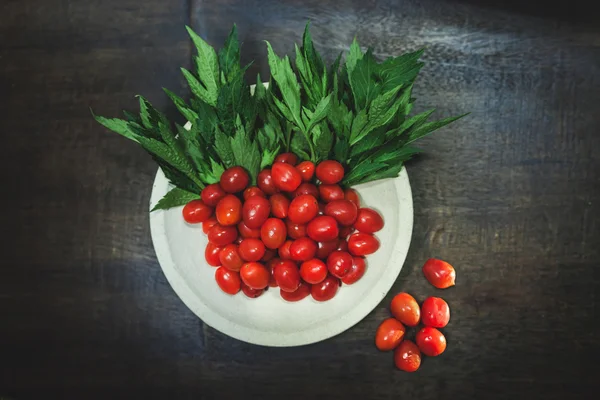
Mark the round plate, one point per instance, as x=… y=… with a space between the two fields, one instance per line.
x=269 y=320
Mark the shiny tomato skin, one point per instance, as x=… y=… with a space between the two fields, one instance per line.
x=211 y=254
x=287 y=275
x=344 y=211
x=325 y=290
x=228 y=281
x=238 y=240
x=222 y=235
x=229 y=210
x=407 y=356
x=330 y=172
x=313 y=271
x=303 y=209
x=322 y=229
x=339 y=263
x=303 y=249
x=326 y=248
x=357 y=271
x=255 y=275
x=342 y=246
x=279 y=205
x=253 y=191
x=331 y=193
x=346 y=231
x=230 y=258
x=289 y=158
x=307 y=170
x=265 y=182
x=439 y=273
x=234 y=180
x=269 y=255
x=295 y=231
x=431 y=342
x=353 y=196
x=435 y=312
x=209 y=223
x=246 y=232
x=297 y=295
x=284 y=250
x=389 y=334
x=211 y=194
x=255 y=212
x=271 y=267
x=251 y=249
x=405 y=309
x=273 y=232
x=285 y=176
x=196 y=212
x=251 y=293
x=368 y=221
x=362 y=244
x=306 y=188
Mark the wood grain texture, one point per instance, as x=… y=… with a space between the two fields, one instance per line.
x=510 y=195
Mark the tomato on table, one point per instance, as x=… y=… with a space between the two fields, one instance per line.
x=222 y=235
x=297 y=295
x=279 y=205
x=330 y=193
x=284 y=250
x=389 y=334
x=209 y=223
x=439 y=273
x=303 y=209
x=307 y=170
x=344 y=211
x=323 y=229
x=247 y=232
x=253 y=191
x=407 y=356
x=252 y=293
x=289 y=158
x=436 y=312
x=339 y=263
x=353 y=196
x=306 y=188
x=431 y=342
x=265 y=182
x=405 y=309
x=295 y=231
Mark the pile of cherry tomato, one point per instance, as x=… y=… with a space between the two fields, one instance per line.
x=304 y=235
x=434 y=313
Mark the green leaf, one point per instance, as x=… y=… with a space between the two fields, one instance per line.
x=268 y=157
x=197 y=89
x=415 y=120
x=320 y=112
x=229 y=55
x=381 y=111
x=223 y=148
x=364 y=86
x=192 y=147
x=174 y=198
x=245 y=152
x=429 y=127
x=300 y=146
x=145 y=113
x=207 y=66
x=323 y=140
x=341 y=150
x=177 y=177
x=354 y=56
x=171 y=157
x=358 y=124
x=119 y=126
x=314 y=61
x=361 y=171
x=182 y=107
x=401 y=70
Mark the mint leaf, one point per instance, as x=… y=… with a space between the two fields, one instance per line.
x=320 y=112
x=396 y=71
x=229 y=55
x=361 y=171
x=175 y=197
x=341 y=150
x=323 y=140
x=300 y=146
x=364 y=87
x=207 y=67
x=354 y=55
x=429 y=127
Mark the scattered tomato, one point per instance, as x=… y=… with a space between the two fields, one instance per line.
x=439 y=273
x=252 y=293
x=246 y=232
x=431 y=342
x=279 y=205
x=253 y=191
x=234 y=180
x=252 y=249
x=196 y=211
x=362 y=244
x=326 y=289
x=330 y=172
x=295 y=231
x=405 y=309
x=389 y=334
x=211 y=194
x=211 y=254
x=344 y=211
x=303 y=249
x=303 y=209
x=287 y=275
x=228 y=281
x=289 y=158
x=285 y=176
x=306 y=188
x=313 y=271
x=255 y=275
x=407 y=356
x=307 y=170
x=297 y=295
x=255 y=212
x=322 y=229
x=209 y=223
x=436 y=312
x=284 y=250
x=265 y=182
x=222 y=235
x=273 y=232
x=352 y=195
x=229 y=210
x=230 y=257
x=357 y=271
x=368 y=221
x=339 y=263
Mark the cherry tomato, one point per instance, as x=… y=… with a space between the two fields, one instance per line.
x=252 y=249
x=352 y=195
x=322 y=208
x=405 y=309
x=246 y=232
x=196 y=211
x=326 y=289
x=265 y=182
x=273 y=232
x=326 y=248
x=431 y=342
x=269 y=255
x=436 y=312
x=211 y=254
x=228 y=281
x=339 y=263
x=255 y=275
x=209 y=223
x=295 y=231
x=322 y=229
x=362 y=244
x=238 y=240
x=342 y=246
x=252 y=293
x=389 y=334
x=284 y=250
x=234 y=179
x=356 y=271
x=368 y=221
x=303 y=249
x=271 y=267
x=407 y=356
x=212 y=194
x=346 y=231
x=230 y=257
x=297 y=295
x=285 y=177
x=330 y=193
x=222 y=235
x=307 y=170
x=313 y=271
x=330 y=172
x=344 y=211
x=253 y=191
x=306 y=188
x=229 y=210
x=287 y=275
x=289 y=158
x=303 y=209
x=439 y=273
x=256 y=211
x=279 y=205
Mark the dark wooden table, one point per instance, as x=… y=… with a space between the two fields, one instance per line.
x=509 y=195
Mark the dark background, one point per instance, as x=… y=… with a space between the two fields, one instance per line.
x=510 y=195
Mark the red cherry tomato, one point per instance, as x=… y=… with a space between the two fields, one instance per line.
x=211 y=254
x=271 y=267
x=212 y=194
x=297 y=295
x=253 y=191
x=303 y=209
x=431 y=342
x=303 y=249
x=405 y=309
x=234 y=179
x=344 y=211
x=322 y=229
x=330 y=193
x=269 y=255
x=279 y=205
x=295 y=231
x=436 y=312
x=196 y=212
x=287 y=275
x=356 y=271
x=307 y=170
x=439 y=273
x=209 y=223
x=246 y=232
x=228 y=281
x=289 y=158
x=230 y=257
x=330 y=172
x=273 y=232
x=346 y=231
x=389 y=334
x=265 y=182
x=339 y=263
x=362 y=244
x=368 y=221
x=313 y=271
x=407 y=356
x=326 y=248
x=306 y=188
x=284 y=250
x=326 y=289
x=352 y=195
x=252 y=249
x=238 y=240
x=256 y=211
x=252 y=293
x=285 y=177
x=255 y=275
x=222 y=235
x=342 y=246
x=229 y=210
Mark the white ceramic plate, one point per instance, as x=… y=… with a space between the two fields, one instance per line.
x=269 y=320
